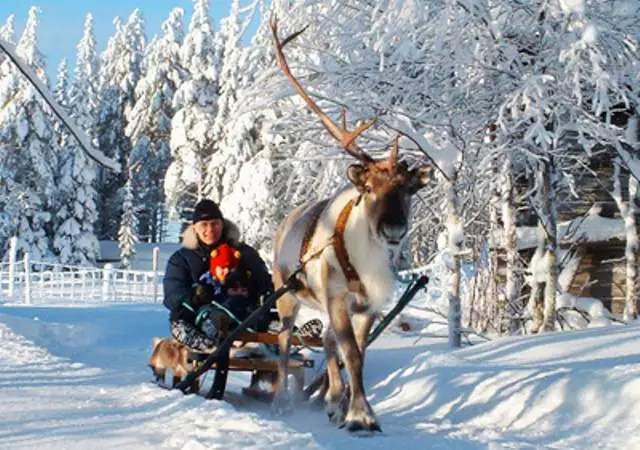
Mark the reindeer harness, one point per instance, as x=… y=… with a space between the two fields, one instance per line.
x=337 y=240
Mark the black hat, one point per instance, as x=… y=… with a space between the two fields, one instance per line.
x=206 y=210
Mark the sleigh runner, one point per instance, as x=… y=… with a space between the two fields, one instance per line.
x=264 y=369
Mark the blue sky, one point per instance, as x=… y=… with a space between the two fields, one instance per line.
x=62 y=21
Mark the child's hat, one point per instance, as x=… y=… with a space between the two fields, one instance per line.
x=224 y=256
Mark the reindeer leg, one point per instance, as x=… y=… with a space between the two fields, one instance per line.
x=288 y=307
x=362 y=324
x=360 y=416
x=333 y=391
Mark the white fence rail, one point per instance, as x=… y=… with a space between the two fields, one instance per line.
x=32 y=283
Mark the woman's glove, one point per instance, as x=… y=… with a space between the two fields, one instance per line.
x=203 y=295
x=207 y=321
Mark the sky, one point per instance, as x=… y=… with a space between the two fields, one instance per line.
x=62 y=21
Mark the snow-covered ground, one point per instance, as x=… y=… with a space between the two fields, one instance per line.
x=76 y=377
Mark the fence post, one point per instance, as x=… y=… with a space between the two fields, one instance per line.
x=155 y=262
x=27 y=280
x=106 y=281
x=13 y=244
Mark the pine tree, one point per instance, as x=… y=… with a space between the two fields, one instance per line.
x=248 y=144
x=84 y=95
x=7 y=30
x=8 y=141
x=36 y=159
x=195 y=103
x=127 y=237
x=120 y=71
x=75 y=238
x=224 y=164
x=149 y=125
x=7 y=33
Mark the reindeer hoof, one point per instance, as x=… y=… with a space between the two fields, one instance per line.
x=360 y=427
x=364 y=422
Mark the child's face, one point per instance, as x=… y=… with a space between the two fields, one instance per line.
x=222 y=273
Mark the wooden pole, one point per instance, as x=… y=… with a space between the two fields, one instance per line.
x=13 y=243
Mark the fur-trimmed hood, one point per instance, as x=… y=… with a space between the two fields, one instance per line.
x=231 y=230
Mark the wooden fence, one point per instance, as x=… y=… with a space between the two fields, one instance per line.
x=34 y=282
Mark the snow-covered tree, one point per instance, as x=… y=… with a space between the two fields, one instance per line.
x=119 y=74
x=35 y=161
x=84 y=95
x=8 y=142
x=195 y=104
x=149 y=126
x=75 y=238
x=7 y=33
x=223 y=165
x=127 y=237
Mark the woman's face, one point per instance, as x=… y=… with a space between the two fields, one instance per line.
x=209 y=231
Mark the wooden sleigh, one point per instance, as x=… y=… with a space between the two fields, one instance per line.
x=262 y=370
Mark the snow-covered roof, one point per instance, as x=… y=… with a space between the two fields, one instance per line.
x=591 y=228
x=143 y=258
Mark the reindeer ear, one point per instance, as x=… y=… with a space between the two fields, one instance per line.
x=356 y=174
x=420 y=177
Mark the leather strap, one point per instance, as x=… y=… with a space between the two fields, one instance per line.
x=311 y=228
x=353 y=279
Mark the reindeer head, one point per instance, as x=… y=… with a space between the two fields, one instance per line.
x=386 y=186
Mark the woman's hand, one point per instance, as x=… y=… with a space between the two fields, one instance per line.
x=238 y=292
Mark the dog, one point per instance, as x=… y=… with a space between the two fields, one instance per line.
x=169 y=354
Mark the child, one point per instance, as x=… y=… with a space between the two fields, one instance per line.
x=221 y=292
x=225 y=293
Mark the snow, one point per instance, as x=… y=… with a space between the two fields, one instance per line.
x=143 y=259
x=76 y=377
x=572 y=6
x=592 y=228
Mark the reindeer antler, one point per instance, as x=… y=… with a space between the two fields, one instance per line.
x=391 y=162
x=345 y=137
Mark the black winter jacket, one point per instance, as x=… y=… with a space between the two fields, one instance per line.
x=187 y=265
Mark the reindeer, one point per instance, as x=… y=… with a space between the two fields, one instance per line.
x=343 y=245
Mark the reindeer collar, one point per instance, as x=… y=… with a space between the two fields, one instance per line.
x=350 y=272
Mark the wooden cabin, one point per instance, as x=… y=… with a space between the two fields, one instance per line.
x=591 y=228
x=595 y=265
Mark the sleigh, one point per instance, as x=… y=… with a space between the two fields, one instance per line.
x=264 y=370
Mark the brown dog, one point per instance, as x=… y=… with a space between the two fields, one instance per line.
x=169 y=354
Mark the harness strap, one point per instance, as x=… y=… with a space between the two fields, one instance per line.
x=337 y=240
x=350 y=272
x=311 y=228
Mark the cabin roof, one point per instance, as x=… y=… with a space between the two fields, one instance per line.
x=590 y=228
